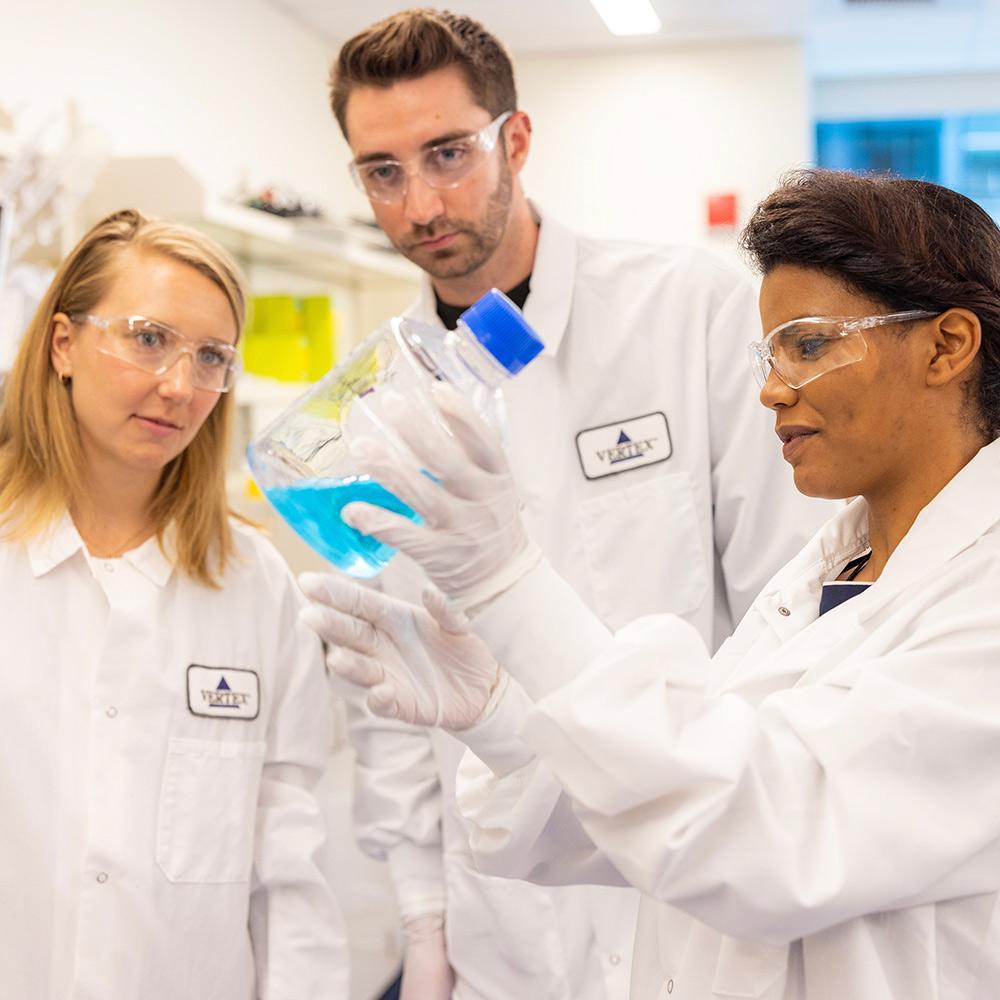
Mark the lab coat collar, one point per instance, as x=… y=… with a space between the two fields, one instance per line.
x=551 y=298
x=962 y=512
x=842 y=538
x=967 y=507
x=52 y=547
x=62 y=541
x=151 y=560
x=553 y=273
x=790 y=601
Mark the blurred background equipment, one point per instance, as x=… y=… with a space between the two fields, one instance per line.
x=48 y=158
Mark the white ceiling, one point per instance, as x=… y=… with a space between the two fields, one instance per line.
x=841 y=37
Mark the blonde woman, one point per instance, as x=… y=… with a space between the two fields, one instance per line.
x=164 y=716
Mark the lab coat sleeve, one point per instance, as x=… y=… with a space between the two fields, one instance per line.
x=398 y=799
x=397 y=806
x=297 y=931
x=521 y=823
x=874 y=790
x=759 y=518
x=540 y=833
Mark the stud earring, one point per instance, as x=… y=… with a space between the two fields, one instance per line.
x=64 y=377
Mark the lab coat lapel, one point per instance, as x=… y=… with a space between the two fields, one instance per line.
x=424 y=309
x=784 y=621
x=823 y=644
x=551 y=298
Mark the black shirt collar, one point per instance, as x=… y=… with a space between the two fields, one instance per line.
x=448 y=314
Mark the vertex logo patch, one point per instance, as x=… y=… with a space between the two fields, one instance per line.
x=624 y=445
x=223 y=692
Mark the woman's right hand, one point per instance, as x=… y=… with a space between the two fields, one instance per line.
x=420 y=665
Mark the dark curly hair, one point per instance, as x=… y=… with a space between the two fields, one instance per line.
x=905 y=244
x=416 y=42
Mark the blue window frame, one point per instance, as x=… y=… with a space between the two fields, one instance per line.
x=959 y=151
x=907 y=148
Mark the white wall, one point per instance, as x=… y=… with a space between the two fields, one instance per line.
x=232 y=87
x=630 y=144
x=626 y=144
x=907 y=97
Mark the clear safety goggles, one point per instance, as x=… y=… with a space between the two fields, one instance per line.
x=442 y=166
x=802 y=350
x=155 y=348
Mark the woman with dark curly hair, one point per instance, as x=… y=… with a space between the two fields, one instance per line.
x=814 y=813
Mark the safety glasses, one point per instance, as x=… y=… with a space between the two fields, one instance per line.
x=441 y=166
x=802 y=350
x=155 y=348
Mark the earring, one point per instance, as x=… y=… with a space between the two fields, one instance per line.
x=64 y=377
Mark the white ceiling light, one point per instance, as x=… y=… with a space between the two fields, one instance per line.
x=628 y=17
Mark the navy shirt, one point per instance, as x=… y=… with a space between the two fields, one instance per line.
x=838 y=592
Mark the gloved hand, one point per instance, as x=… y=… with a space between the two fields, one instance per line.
x=426 y=972
x=419 y=664
x=472 y=544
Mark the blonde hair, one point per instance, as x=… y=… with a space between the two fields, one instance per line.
x=41 y=458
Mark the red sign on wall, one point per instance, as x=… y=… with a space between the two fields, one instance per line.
x=721 y=210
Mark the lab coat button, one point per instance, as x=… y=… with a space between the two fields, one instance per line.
x=614 y=959
x=670 y=986
x=784 y=611
x=102 y=877
x=111 y=711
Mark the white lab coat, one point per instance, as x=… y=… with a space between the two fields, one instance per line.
x=153 y=844
x=818 y=821
x=629 y=331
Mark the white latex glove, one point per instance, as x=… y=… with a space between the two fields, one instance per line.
x=426 y=972
x=420 y=665
x=472 y=544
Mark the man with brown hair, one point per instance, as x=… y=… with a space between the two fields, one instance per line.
x=650 y=474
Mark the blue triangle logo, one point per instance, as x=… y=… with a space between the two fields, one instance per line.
x=222 y=685
x=623 y=438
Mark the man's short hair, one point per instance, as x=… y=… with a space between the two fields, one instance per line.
x=413 y=43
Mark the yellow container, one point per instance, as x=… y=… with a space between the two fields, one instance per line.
x=321 y=334
x=276 y=344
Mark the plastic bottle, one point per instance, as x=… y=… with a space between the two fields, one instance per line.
x=301 y=460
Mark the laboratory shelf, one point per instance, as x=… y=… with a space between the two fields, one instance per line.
x=354 y=264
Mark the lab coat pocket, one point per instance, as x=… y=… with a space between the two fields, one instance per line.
x=208 y=804
x=748 y=969
x=644 y=550
x=503 y=937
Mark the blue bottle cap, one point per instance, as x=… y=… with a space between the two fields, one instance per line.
x=501 y=328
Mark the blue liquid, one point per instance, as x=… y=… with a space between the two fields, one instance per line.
x=313 y=507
